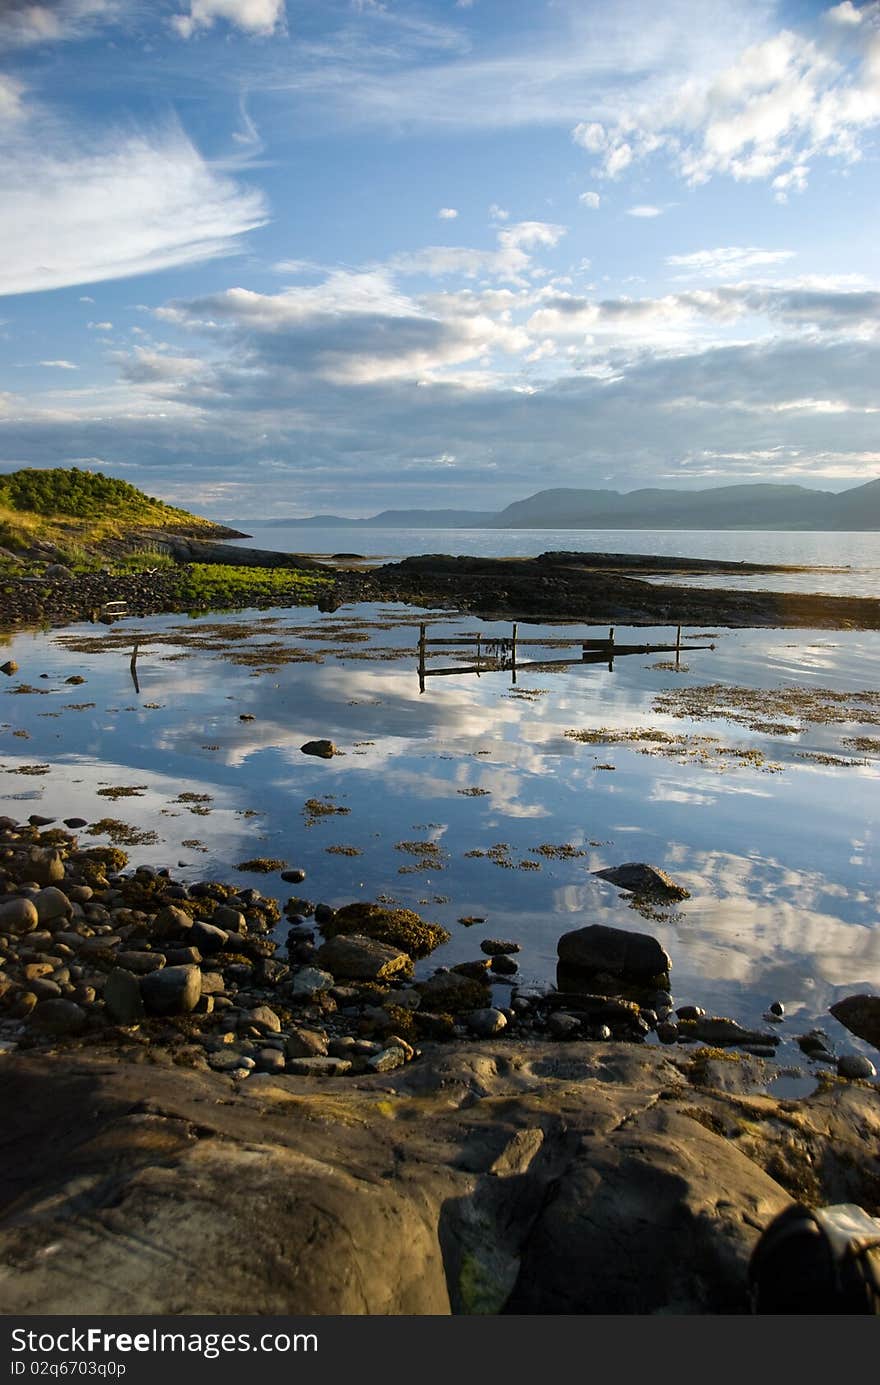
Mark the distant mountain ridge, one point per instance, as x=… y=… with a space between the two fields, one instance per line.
x=761 y=506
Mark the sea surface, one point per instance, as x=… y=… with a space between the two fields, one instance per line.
x=852 y=561
x=760 y=799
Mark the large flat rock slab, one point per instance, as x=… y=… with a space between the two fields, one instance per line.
x=486 y=1178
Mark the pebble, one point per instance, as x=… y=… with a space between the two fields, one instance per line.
x=690 y=1012
x=293 y=877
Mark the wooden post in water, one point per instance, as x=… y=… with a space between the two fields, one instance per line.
x=677 y=645
x=479 y=639
x=422 y=632
x=133 y=668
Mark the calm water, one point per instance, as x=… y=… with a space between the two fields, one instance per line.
x=779 y=854
x=858 y=554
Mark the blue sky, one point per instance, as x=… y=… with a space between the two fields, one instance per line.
x=264 y=258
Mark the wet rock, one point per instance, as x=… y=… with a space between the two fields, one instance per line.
x=446 y=991
x=724 y=1033
x=18 y=916
x=486 y=1022
x=854 y=1066
x=503 y=966
x=232 y=920
x=9 y=667
x=207 y=938
x=362 y=959
x=319 y=1067
x=74 y=823
x=816 y=1045
x=615 y=951
x=562 y=1025
x=293 y=877
x=140 y=962
x=860 y=1014
x=61 y=1017
x=171 y=991
x=306 y=1043
x=638 y=878
x=778 y=1009
x=387 y=1060
x=308 y=982
x=324 y=914
x=122 y=997
x=270 y=1060
x=43 y=865
x=477 y=971
x=497 y=947
x=690 y=1012
x=264 y=1018
x=171 y=922
x=322 y=748
x=37 y=820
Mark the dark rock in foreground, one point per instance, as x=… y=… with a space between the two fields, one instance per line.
x=860 y=1014
x=491 y=1178
x=613 y=951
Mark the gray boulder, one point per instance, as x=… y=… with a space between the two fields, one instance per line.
x=362 y=959
x=616 y=951
x=51 y=904
x=171 y=991
x=122 y=997
x=308 y=982
x=485 y=1023
x=18 y=916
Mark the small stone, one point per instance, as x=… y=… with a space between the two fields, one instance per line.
x=270 y=1060
x=690 y=1012
x=74 y=823
x=602 y=1032
x=9 y=667
x=171 y=922
x=485 y=1023
x=36 y=820
x=61 y=1017
x=777 y=1009
x=324 y=749
x=854 y=1065
x=122 y=997
x=324 y=913
x=495 y=947
x=232 y=920
x=212 y=983
x=319 y=1067
x=387 y=1060
x=207 y=938
x=293 y=877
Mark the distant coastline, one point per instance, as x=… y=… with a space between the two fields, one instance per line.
x=750 y=508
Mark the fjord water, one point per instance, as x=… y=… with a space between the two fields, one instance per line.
x=773 y=834
x=853 y=557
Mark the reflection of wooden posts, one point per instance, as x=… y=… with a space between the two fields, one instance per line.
x=513 y=656
x=677 y=645
x=133 y=668
x=422 y=630
x=611 y=650
x=479 y=641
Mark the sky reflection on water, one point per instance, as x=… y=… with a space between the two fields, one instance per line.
x=781 y=865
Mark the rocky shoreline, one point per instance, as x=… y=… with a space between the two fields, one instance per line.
x=588 y=588
x=244 y=1095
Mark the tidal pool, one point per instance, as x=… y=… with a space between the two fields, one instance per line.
x=749 y=772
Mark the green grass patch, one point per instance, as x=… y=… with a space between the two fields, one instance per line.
x=213 y=584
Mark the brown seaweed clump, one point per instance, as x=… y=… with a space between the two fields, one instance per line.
x=401 y=928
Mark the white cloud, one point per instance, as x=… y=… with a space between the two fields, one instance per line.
x=728 y=261
x=253 y=16
x=11 y=93
x=845 y=14
x=60 y=365
x=25 y=22
x=497 y=213
x=643 y=210
x=782 y=103
x=100 y=326
x=84 y=298
x=590 y=199
x=447 y=213
x=75 y=212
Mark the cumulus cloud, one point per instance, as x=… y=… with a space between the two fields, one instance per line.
x=769 y=114
x=644 y=210
x=510 y=261
x=590 y=199
x=59 y=365
x=76 y=211
x=253 y=16
x=447 y=213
